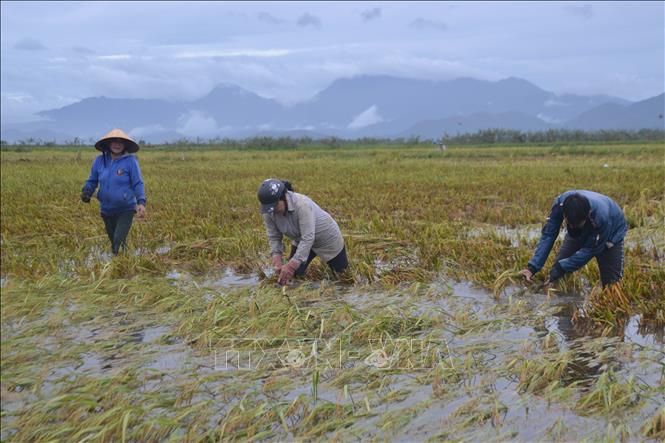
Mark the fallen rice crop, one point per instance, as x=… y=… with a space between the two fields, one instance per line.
x=186 y=337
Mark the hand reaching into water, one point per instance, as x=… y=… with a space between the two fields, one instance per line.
x=277 y=264
x=288 y=271
x=527 y=274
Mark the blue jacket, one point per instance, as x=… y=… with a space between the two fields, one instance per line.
x=607 y=225
x=120 y=183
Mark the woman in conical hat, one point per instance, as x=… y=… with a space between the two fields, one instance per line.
x=121 y=194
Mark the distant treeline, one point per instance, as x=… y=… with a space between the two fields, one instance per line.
x=512 y=137
x=482 y=137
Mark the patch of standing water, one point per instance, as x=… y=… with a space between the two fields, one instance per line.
x=179 y=276
x=102 y=255
x=404 y=261
x=153 y=334
x=231 y=280
x=228 y=279
x=648 y=240
x=502 y=344
x=170 y=359
x=450 y=297
x=97 y=254
x=90 y=363
x=563 y=325
x=520 y=236
x=636 y=332
x=163 y=250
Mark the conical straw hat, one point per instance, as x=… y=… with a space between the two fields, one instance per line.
x=130 y=145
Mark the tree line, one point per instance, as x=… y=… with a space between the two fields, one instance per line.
x=481 y=137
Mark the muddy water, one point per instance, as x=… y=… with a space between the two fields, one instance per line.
x=479 y=337
x=498 y=332
x=226 y=279
x=645 y=238
x=638 y=353
x=521 y=236
x=230 y=280
x=501 y=330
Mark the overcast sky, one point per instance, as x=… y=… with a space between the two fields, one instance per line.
x=56 y=53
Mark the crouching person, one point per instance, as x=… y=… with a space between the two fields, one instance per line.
x=312 y=231
x=595 y=227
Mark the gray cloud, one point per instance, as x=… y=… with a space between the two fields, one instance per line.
x=29 y=44
x=83 y=50
x=584 y=11
x=308 y=19
x=269 y=18
x=192 y=48
x=371 y=14
x=196 y=123
x=424 y=24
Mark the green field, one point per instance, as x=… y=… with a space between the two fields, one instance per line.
x=428 y=336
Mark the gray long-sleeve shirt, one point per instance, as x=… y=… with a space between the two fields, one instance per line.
x=307 y=225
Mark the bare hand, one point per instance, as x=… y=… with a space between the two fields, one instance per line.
x=140 y=211
x=277 y=263
x=288 y=271
x=527 y=274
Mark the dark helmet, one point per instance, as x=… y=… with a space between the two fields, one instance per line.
x=270 y=191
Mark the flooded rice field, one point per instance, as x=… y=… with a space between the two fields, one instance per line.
x=431 y=335
x=450 y=362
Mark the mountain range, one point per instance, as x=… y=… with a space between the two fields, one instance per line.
x=364 y=106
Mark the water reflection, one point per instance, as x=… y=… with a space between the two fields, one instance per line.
x=585 y=366
x=576 y=336
x=643 y=332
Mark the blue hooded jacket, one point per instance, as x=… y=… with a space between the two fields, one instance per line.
x=120 y=183
x=608 y=225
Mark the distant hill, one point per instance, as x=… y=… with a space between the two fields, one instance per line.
x=234 y=106
x=644 y=114
x=434 y=129
x=364 y=106
x=296 y=133
x=404 y=102
x=99 y=115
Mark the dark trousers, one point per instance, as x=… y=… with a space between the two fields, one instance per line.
x=610 y=261
x=117 y=228
x=338 y=264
